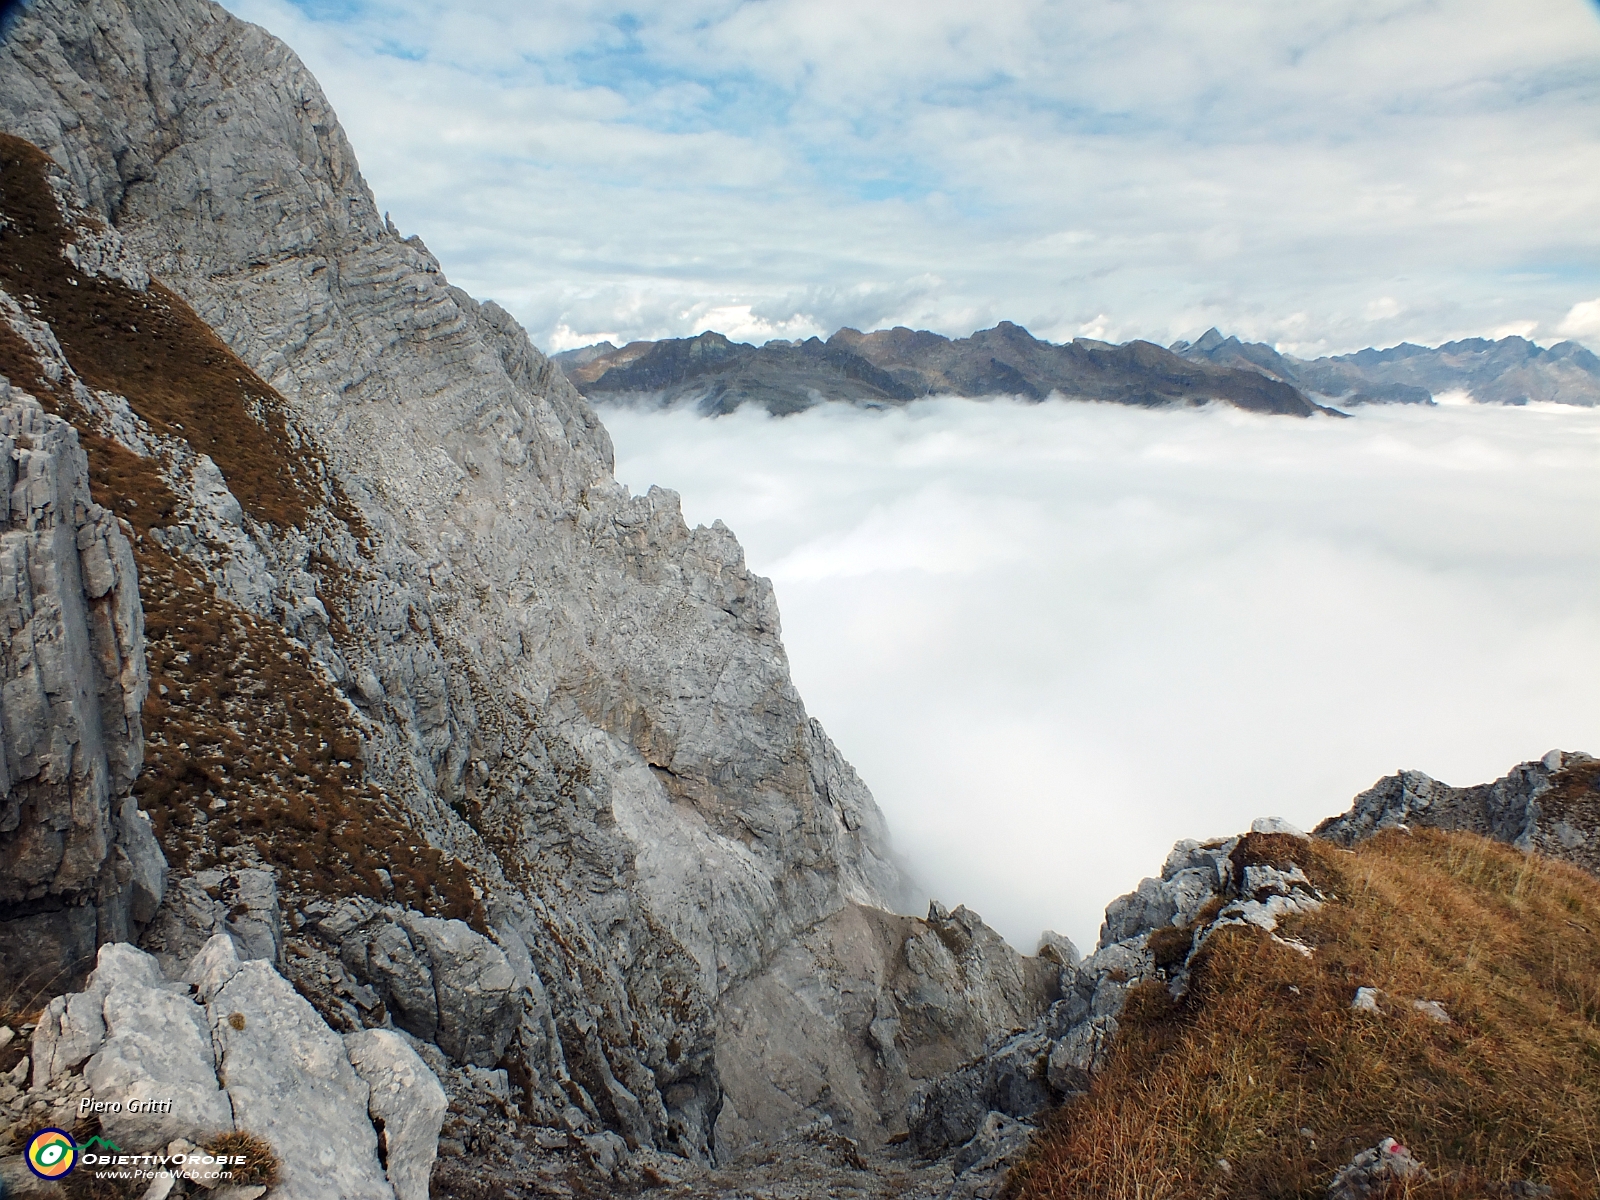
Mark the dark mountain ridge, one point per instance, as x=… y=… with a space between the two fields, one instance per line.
x=895 y=366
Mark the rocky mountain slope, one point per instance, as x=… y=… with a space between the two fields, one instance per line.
x=1428 y=1029
x=894 y=366
x=414 y=655
x=1511 y=370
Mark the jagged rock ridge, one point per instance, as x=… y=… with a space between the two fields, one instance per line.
x=895 y=366
x=1550 y=806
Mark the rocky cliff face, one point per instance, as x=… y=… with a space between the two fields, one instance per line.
x=79 y=864
x=445 y=724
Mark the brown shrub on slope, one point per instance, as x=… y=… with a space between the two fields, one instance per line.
x=150 y=347
x=1265 y=1064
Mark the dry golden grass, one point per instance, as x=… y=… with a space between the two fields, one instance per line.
x=1265 y=1064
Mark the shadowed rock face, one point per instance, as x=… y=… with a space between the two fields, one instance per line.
x=79 y=864
x=922 y=996
x=894 y=366
x=1511 y=370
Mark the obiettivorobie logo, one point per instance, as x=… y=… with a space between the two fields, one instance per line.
x=52 y=1154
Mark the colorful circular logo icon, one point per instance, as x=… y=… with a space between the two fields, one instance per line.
x=52 y=1154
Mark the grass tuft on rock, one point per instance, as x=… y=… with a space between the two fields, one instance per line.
x=1266 y=1067
x=260 y=1166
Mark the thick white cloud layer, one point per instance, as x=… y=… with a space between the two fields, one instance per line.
x=1056 y=638
x=1324 y=175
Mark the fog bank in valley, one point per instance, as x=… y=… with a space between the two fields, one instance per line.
x=1055 y=638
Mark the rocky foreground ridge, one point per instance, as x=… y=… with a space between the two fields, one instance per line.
x=244 y=1050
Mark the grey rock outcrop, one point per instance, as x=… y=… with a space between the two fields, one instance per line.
x=243 y=903
x=79 y=865
x=157 y=1048
x=235 y=1048
x=290 y=1081
x=441 y=981
x=846 y=1023
x=1550 y=805
x=1148 y=935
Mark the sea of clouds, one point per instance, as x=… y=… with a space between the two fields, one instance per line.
x=1055 y=638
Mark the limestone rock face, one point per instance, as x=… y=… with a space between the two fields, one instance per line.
x=157 y=1048
x=566 y=687
x=290 y=1081
x=441 y=981
x=79 y=864
x=845 y=1023
x=1550 y=805
x=242 y=903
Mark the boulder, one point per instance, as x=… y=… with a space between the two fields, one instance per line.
x=1008 y=1079
x=157 y=1049
x=139 y=1039
x=290 y=1082
x=1275 y=825
x=981 y=1165
x=1080 y=1053
x=406 y=1104
x=241 y=903
x=1058 y=949
x=441 y=980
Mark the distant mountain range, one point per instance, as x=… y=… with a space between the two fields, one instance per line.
x=895 y=366
x=1511 y=370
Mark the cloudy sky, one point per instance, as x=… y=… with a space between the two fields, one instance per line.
x=1322 y=175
